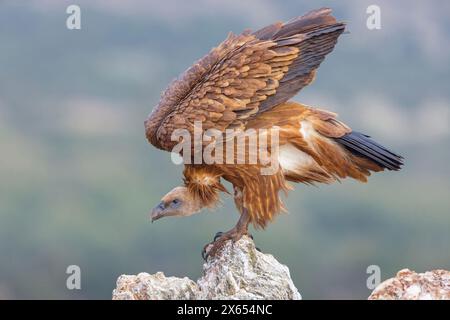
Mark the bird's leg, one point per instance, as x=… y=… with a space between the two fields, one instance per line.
x=234 y=234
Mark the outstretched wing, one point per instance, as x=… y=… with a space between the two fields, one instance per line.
x=245 y=75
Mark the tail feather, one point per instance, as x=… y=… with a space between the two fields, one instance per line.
x=363 y=146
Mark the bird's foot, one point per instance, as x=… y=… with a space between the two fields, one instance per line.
x=212 y=248
x=220 y=238
x=220 y=233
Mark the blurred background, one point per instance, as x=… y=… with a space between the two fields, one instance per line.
x=78 y=178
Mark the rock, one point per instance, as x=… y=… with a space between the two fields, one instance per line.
x=156 y=286
x=409 y=285
x=239 y=271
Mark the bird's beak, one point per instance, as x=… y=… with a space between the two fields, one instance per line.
x=157 y=212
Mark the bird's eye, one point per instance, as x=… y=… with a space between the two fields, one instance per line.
x=175 y=201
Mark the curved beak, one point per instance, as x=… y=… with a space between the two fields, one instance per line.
x=157 y=212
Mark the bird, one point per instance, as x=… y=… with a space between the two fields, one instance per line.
x=244 y=83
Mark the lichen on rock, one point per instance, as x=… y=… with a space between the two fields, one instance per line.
x=239 y=271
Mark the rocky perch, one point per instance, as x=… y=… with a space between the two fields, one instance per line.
x=409 y=285
x=239 y=271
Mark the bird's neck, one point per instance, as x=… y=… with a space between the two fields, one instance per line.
x=203 y=182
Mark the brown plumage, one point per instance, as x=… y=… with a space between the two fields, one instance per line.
x=245 y=83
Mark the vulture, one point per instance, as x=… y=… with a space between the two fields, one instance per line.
x=245 y=83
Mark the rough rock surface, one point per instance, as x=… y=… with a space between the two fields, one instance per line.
x=238 y=272
x=409 y=285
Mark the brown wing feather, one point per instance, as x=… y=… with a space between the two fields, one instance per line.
x=224 y=89
x=315 y=35
x=243 y=76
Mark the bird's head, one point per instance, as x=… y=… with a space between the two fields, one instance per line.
x=179 y=202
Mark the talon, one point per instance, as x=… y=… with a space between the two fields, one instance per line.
x=205 y=253
x=219 y=241
x=221 y=238
x=217 y=236
x=216 y=246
